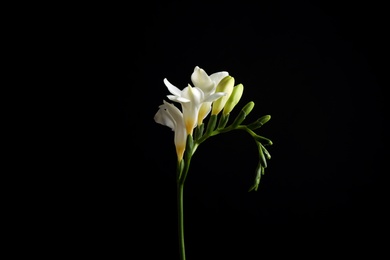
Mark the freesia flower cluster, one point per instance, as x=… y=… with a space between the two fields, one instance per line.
x=214 y=94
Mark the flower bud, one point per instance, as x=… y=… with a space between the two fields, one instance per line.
x=233 y=99
x=259 y=122
x=243 y=113
x=266 y=153
x=263 y=140
x=225 y=85
x=259 y=173
x=248 y=107
x=263 y=161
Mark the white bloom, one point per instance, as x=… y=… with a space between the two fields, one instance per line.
x=191 y=100
x=171 y=116
x=207 y=84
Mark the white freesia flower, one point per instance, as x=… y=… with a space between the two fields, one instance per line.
x=191 y=100
x=169 y=115
x=207 y=84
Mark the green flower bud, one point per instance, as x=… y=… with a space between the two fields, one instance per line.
x=248 y=107
x=243 y=113
x=225 y=85
x=233 y=99
x=263 y=161
x=266 y=153
x=241 y=116
x=259 y=173
x=263 y=140
x=259 y=122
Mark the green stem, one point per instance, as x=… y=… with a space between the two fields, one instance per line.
x=183 y=171
x=180 y=188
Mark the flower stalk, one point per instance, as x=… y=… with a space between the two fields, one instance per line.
x=183 y=167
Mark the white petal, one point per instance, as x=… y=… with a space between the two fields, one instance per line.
x=214 y=96
x=174 y=111
x=164 y=118
x=218 y=76
x=174 y=90
x=201 y=80
x=204 y=110
x=196 y=95
x=178 y=99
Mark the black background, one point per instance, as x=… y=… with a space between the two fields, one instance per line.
x=314 y=67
